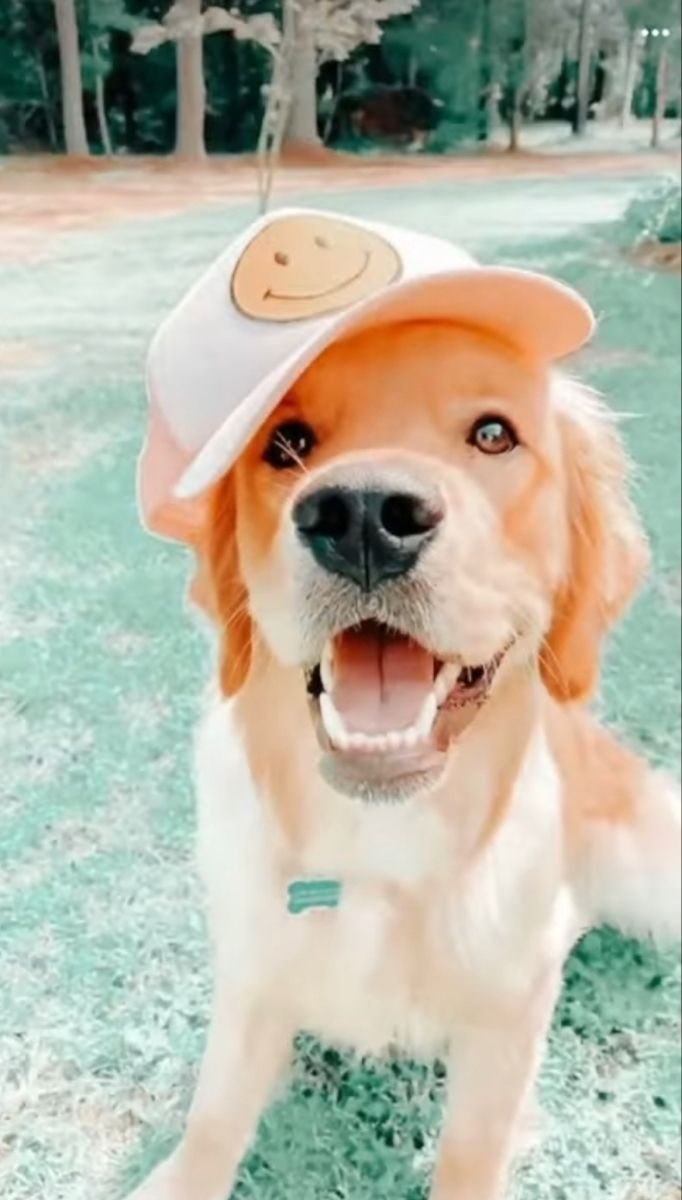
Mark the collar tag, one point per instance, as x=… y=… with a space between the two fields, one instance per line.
x=307 y=894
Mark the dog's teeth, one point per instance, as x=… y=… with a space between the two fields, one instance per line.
x=424 y=723
x=360 y=742
x=365 y=743
x=369 y=743
x=327 y=668
x=445 y=681
x=333 y=723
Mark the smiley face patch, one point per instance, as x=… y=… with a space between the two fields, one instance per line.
x=301 y=267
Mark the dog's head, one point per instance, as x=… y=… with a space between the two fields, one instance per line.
x=425 y=512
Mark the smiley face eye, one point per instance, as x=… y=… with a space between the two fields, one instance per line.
x=493 y=435
x=282 y=259
x=290 y=443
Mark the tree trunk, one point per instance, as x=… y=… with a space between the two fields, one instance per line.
x=634 y=44
x=661 y=97
x=333 y=107
x=485 y=79
x=100 y=101
x=519 y=55
x=75 y=137
x=302 y=119
x=516 y=124
x=191 y=110
x=273 y=128
x=47 y=104
x=582 y=107
x=129 y=104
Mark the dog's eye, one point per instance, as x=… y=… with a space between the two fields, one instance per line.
x=493 y=435
x=289 y=444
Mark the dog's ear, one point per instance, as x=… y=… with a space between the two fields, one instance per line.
x=218 y=586
x=608 y=550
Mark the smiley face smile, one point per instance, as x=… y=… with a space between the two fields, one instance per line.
x=270 y=295
x=300 y=267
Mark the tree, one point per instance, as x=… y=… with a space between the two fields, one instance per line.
x=186 y=25
x=662 y=35
x=73 y=117
x=299 y=41
x=189 y=48
x=183 y=25
x=438 y=51
x=97 y=49
x=486 y=70
x=530 y=44
x=321 y=31
x=635 y=41
x=518 y=59
x=605 y=47
x=582 y=104
x=324 y=63
x=313 y=32
x=29 y=76
x=99 y=19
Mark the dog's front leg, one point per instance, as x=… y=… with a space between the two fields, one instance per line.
x=247 y=1050
x=493 y=1071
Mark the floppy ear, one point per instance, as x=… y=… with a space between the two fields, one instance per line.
x=608 y=550
x=218 y=586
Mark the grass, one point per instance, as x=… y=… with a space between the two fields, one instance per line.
x=104 y=986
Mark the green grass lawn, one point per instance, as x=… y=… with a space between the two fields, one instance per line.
x=104 y=988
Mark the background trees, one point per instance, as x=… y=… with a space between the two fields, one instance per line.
x=150 y=76
x=73 y=119
x=185 y=25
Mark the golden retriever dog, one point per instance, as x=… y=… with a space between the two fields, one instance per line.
x=407 y=813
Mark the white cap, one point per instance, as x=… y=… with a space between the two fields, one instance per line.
x=292 y=284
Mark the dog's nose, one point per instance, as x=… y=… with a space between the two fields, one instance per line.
x=367 y=535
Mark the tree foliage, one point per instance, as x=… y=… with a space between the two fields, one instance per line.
x=359 y=70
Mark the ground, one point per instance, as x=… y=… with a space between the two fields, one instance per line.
x=104 y=987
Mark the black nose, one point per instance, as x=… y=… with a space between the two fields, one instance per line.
x=367 y=536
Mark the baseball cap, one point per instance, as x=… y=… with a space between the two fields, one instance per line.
x=289 y=286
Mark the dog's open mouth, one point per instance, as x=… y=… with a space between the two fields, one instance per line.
x=386 y=705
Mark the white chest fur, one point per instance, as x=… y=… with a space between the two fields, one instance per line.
x=427 y=934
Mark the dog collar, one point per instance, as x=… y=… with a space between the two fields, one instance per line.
x=308 y=894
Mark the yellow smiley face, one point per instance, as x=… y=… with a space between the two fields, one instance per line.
x=306 y=266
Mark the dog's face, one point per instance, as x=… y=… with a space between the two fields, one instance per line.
x=403 y=532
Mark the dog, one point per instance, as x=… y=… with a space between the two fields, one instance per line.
x=411 y=542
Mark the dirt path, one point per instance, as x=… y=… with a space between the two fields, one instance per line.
x=42 y=197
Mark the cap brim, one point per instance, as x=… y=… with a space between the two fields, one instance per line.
x=537 y=316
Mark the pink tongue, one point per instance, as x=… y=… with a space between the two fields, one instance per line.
x=380 y=681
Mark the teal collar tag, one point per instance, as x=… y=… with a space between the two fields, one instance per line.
x=307 y=894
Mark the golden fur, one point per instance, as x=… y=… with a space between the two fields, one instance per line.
x=542 y=822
